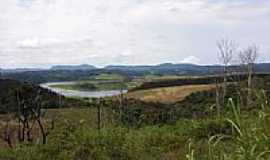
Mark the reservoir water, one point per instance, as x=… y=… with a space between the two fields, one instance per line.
x=76 y=93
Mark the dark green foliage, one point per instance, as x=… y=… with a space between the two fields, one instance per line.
x=86 y=86
x=74 y=142
x=37 y=77
x=193 y=81
x=10 y=88
x=211 y=128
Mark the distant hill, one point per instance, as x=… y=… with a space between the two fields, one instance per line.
x=37 y=77
x=182 y=69
x=18 y=70
x=73 y=67
x=83 y=72
x=168 y=69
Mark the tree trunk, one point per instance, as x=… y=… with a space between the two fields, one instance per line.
x=23 y=130
x=44 y=134
x=224 y=85
x=7 y=135
x=99 y=115
x=19 y=133
x=249 y=84
x=121 y=105
x=217 y=99
x=28 y=132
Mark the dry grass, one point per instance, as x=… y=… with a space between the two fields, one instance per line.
x=168 y=94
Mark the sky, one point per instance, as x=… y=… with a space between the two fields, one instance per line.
x=42 y=33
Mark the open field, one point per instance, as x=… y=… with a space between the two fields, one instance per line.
x=102 y=82
x=168 y=94
x=104 y=76
x=105 y=82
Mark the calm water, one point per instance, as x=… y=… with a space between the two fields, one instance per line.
x=74 y=93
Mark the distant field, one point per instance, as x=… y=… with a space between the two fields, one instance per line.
x=168 y=94
x=107 y=77
x=91 y=86
x=102 y=82
x=167 y=77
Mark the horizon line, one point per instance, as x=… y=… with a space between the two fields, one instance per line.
x=48 y=67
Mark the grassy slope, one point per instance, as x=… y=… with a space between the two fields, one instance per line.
x=168 y=94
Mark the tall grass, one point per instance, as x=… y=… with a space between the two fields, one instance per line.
x=251 y=134
x=241 y=134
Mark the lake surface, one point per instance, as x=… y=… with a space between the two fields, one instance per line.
x=76 y=93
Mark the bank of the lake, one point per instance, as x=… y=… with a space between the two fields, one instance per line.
x=77 y=93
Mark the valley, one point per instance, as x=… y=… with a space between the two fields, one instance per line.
x=134 y=80
x=149 y=115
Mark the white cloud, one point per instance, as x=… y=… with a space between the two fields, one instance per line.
x=31 y=43
x=139 y=31
x=191 y=60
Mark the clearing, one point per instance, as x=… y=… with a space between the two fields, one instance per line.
x=168 y=95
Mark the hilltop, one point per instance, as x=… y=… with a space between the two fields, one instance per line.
x=73 y=67
x=83 y=72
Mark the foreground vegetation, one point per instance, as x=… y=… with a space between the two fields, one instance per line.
x=236 y=135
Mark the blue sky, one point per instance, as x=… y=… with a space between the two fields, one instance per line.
x=41 y=33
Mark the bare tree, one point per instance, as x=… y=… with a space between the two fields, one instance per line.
x=248 y=57
x=30 y=110
x=99 y=112
x=7 y=134
x=121 y=98
x=218 y=97
x=226 y=49
x=23 y=115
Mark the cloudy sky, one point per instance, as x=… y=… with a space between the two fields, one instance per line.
x=41 y=33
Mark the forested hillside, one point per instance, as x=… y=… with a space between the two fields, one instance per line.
x=67 y=73
x=9 y=90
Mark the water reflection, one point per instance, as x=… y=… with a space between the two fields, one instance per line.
x=74 y=93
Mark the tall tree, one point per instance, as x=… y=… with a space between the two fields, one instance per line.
x=226 y=49
x=30 y=110
x=248 y=57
